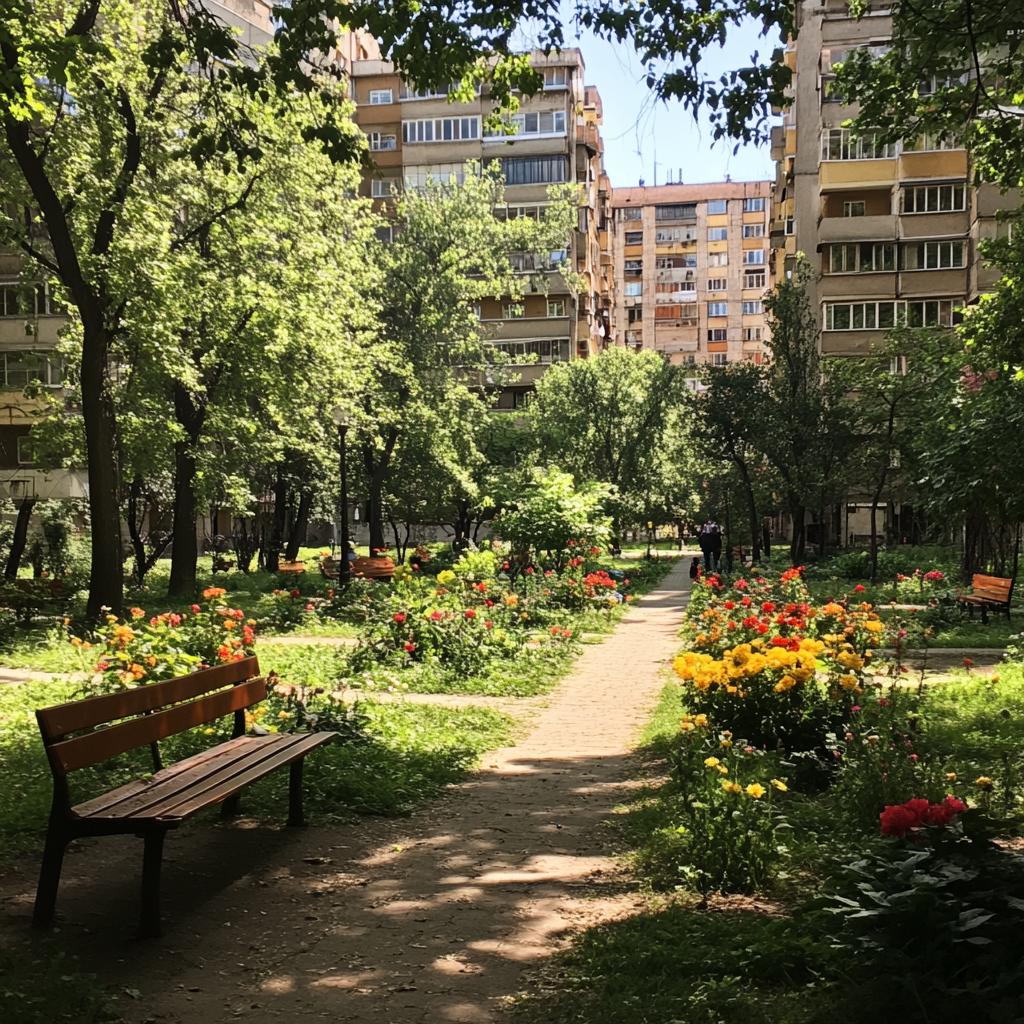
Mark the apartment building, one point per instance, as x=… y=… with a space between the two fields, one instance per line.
x=890 y=229
x=416 y=135
x=691 y=265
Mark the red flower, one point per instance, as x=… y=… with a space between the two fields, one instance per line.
x=762 y=628
x=195 y=607
x=745 y=602
x=859 y=589
x=410 y=647
x=436 y=616
x=529 y=569
x=729 y=605
x=399 y=616
x=489 y=603
x=750 y=622
x=899 y=819
x=487 y=625
x=482 y=587
x=767 y=607
x=470 y=614
x=295 y=593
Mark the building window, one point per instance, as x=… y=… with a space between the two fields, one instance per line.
x=754 y=280
x=717 y=284
x=854 y=209
x=790 y=226
x=441 y=129
x=23 y=368
x=839 y=144
x=555 y=78
x=927 y=143
x=541 y=122
x=934 y=198
x=676 y=211
x=718 y=259
x=19 y=299
x=512 y=311
x=634 y=266
x=753 y=255
x=515 y=212
x=530 y=262
x=556 y=307
x=544 y=351
x=755 y=205
x=717 y=334
x=752 y=333
x=417 y=175
x=664 y=236
x=865 y=257
x=635 y=314
x=381 y=142
x=634 y=238
x=753 y=230
x=381 y=188
x=931 y=255
x=684 y=289
x=634 y=287
x=718 y=309
x=25 y=451
x=533 y=170
x=718 y=206
x=379 y=96
x=719 y=359
x=898 y=366
x=718 y=234
x=629 y=213
x=870 y=316
x=407 y=92
x=751 y=308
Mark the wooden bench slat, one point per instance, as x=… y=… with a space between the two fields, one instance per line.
x=110 y=707
x=163 y=792
x=70 y=755
x=96 y=807
x=212 y=791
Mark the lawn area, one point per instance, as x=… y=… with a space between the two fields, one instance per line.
x=771 y=895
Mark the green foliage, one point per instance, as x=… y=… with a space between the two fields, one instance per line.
x=552 y=513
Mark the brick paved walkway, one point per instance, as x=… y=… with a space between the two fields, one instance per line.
x=430 y=919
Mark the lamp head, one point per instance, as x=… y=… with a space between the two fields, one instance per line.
x=342 y=415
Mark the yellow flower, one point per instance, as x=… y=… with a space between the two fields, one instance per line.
x=686 y=726
x=701 y=720
x=984 y=783
x=872 y=739
x=445 y=577
x=710 y=762
x=731 y=787
x=848 y=682
x=756 y=790
x=726 y=743
x=722 y=769
x=951 y=776
x=850 y=660
x=873 y=626
x=780 y=785
x=784 y=684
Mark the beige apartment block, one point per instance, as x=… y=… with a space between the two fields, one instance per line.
x=691 y=268
x=891 y=230
x=416 y=135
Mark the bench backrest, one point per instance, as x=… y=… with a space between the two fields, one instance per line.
x=996 y=587
x=145 y=714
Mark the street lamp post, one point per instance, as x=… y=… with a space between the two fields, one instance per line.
x=341 y=416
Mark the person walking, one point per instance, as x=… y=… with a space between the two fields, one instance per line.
x=710 y=541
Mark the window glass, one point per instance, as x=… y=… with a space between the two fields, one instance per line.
x=755 y=205
x=718 y=206
x=718 y=309
x=718 y=234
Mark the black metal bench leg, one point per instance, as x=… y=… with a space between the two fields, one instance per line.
x=984 y=615
x=295 y=816
x=229 y=808
x=152 y=857
x=49 y=877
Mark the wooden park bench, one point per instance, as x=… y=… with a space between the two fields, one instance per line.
x=329 y=568
x=374 y=568
x=988 y=592
x=291 y=566
x=86 y=732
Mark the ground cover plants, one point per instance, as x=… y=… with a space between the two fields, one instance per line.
x=825 y=837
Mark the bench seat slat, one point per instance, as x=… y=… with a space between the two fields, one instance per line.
x=178 y=795
x=96 y=807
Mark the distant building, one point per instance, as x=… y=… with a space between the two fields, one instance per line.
x=691 y=265
x=415 y=135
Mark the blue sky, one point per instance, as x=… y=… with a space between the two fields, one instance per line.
x=638 y=132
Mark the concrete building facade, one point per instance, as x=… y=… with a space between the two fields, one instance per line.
x=891 y=230
x=419 y=135
x=691 y=270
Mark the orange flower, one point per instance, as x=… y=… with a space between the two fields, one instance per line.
x=212 y=592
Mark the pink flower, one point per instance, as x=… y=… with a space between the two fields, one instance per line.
x=195 y=607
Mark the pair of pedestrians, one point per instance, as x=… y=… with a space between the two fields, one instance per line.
x=710 y=541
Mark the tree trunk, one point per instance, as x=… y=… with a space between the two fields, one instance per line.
x=186 y=549
x=755 y=530
x=19 y=538
x=272 y=555
x=143 y=562
x=106 y=583
x=375 y=513
x=798 y=543
x=822 y=534
x=298 y=533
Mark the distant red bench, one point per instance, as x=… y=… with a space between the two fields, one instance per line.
x=89 y=731
x=988 y=592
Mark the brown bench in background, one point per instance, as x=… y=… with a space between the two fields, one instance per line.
x=291 y=566
x=89 y=731
x=374 y=568
x=988 y=592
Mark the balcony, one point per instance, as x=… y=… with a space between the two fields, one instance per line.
x=935 y=225
x=857 y=229
x=665 y=274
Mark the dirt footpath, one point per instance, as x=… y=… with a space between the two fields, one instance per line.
x=431 y=918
